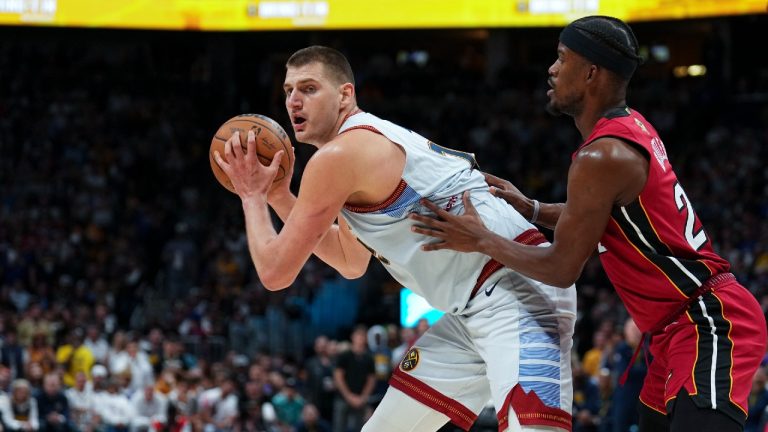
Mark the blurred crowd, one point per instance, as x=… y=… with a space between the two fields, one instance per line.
x=127 y=297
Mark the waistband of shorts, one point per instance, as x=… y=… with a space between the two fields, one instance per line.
x=708 y=286
x=716 y=280
x=532 y=237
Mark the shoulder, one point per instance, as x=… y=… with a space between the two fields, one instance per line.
x=354 y=148
x=609 y=151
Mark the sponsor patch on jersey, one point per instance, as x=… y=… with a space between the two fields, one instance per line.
x=411 y=360
x=642 y=126
x=659 y=152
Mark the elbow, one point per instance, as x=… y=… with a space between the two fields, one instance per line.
x=563 y=282
x=273 y=281
x=564 y=277
x=353 y=269
x=352 y=273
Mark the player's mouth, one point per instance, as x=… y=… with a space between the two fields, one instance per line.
x=551 y=90
x=299 y=123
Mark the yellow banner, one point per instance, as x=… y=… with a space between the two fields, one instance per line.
x=350 y=14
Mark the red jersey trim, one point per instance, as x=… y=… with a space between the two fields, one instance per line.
x=365 y=127
x=530 y=410
x=351 y=113
x=382 y=205
x=392 y=198
x=531 y=237
x=658 y=410
x=460 y=415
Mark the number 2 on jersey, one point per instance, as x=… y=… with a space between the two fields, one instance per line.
x=695 y=239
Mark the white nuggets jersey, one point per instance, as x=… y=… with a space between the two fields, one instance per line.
x=444 y=278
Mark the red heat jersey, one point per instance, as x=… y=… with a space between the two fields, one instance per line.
x=654 y=250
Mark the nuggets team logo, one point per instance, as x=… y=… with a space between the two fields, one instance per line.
x=411 y=360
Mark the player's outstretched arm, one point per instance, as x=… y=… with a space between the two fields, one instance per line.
x=547 y=213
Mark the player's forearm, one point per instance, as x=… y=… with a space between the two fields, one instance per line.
x=282 y=205
x=262 y=246
x=549 y=214
x=331 y=249
x=343 y=258
x=538 y=263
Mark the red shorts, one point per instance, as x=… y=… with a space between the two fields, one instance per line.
x=712 y=351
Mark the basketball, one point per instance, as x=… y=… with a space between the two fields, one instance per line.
x=270 y=138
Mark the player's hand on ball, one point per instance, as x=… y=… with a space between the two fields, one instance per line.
x=249 y=177
x=281 y=188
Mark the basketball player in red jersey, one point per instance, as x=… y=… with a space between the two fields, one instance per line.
x=708 y=332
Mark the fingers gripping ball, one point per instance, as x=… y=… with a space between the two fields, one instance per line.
x=270 y=138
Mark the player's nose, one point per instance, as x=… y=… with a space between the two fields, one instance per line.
x=293 y=99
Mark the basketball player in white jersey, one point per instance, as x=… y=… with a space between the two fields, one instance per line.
x=505 y=337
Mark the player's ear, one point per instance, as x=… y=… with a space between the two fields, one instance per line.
x=591 y=72
x=347 y=93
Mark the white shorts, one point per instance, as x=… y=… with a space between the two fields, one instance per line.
x=511 y=344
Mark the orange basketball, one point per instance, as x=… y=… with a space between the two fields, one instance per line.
x=270 y=138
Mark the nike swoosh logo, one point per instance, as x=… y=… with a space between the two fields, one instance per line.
x=488 y=291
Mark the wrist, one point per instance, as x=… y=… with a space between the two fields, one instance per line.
x=254 y=201
x=535 y=210
x=485 y=243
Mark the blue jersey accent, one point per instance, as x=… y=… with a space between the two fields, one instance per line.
x=404 y=204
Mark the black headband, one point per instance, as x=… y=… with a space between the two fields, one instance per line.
x=598 y=53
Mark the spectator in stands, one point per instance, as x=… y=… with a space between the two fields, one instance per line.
x=74 y=357
x=758 y=401
x=288 y=403
x=311 y=420
x=382 y=360
x=219 y=405
x=134 y=362
x=53 y=406
x=354 y=378
x=40 y=352
x=320 y=387
x=34 y=323
x=19 y=409
x=81 y=401
x=150 y=408
x=625 y=397
x=5 y=379
x=12 y=354
x=114 y=408
x=586 y=401
x=593 y=358
x=97 y=343
x=407 y=338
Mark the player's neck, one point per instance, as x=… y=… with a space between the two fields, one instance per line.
x=592 y=113
x=345 y=114
x=354 y=109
